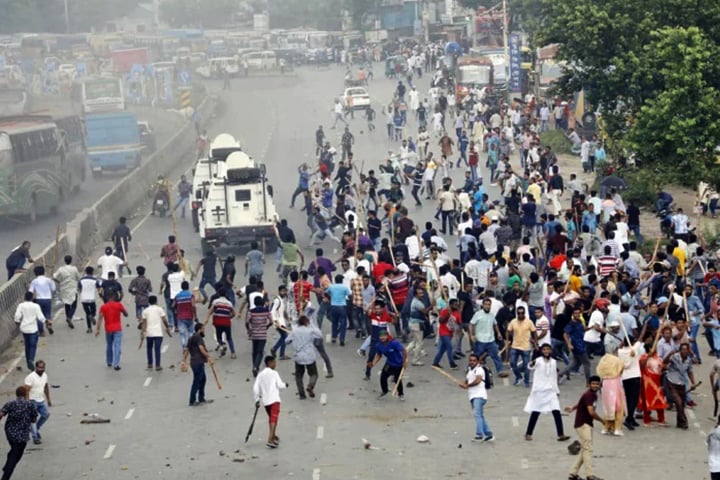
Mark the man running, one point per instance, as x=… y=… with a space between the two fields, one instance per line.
x=39 y=394
x=396 y=361
x=67 y=278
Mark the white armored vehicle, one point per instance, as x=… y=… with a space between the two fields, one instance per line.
x=206 y=168
x=237 y=206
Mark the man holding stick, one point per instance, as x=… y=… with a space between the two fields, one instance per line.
x=199 y=356
x=267 y=389
x=475 y=386
x=395 y=364
x=585 y=413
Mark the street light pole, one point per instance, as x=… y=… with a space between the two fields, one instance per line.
x=67 y=18
x=505 y=44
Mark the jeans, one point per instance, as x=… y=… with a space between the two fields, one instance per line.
x=323 y=308
x=447 y=221
x=280 y=344
x=13 y=458
x=170 y=312
x=444 y=347
x=153 y=344
x=320 y=347
x=694 y=329
x=197 y=390
x=227 y=330
x=182 y=203
x=635 y=229
x=632 y=388
x=186 y=329
x=299 y=190
x=387 y=372
x=558 y=347
x=206 y=281
x=31 y=342
x=492 y=349
x=43 y=415
x=515 y=354
x=46 y=308
x=482 y=429
x=113 y=342
x=258 y=349
x=338 y=317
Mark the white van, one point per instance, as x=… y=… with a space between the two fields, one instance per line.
x=261 y=60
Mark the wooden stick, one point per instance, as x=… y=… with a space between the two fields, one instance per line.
x=142 y=249
x=217 y=380
x=142 y=339
x=440 y=370
x=397 y=384
x=657 y=245
x=392 y=302
x=55 y=250
x=122 y=245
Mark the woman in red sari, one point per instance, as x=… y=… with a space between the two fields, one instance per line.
x=652 y=396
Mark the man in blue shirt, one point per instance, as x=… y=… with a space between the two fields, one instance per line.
x=338 y=293
x=303 y=182
x=574 y=333
x=462 y=146
x=396 y=362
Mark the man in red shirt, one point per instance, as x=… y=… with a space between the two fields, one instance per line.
x=449 y=321
x=302 y=288
x=110 y=313
x=585 y=412
x=380 y=319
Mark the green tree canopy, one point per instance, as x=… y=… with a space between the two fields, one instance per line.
x=648 y=60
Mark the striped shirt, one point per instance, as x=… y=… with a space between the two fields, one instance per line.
x=606 y=265
x=356 y=288
x=222 y=313
x=184 y=305
x=258 y=321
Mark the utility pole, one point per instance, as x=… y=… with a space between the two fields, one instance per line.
x=505 y=44
x=67 y=18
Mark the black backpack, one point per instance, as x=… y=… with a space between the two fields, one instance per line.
x=489 y=378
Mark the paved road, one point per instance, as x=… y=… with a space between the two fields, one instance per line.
x=42 y=233
x=153 y=434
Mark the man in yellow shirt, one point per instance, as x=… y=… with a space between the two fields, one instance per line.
x=679 y=253
x=575 y=279
x=535 y=190
x=523 y=335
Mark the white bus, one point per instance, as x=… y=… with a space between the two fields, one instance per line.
x=102 y=94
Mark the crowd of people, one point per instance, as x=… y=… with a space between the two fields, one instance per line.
x=526 y=274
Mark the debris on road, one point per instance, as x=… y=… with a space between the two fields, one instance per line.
x=423 y=439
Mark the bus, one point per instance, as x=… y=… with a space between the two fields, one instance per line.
x=40 y=163
x=102 y=94
x=472 y=71
x=548 y=69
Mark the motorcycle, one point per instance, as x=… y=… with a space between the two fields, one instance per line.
x=160 y=205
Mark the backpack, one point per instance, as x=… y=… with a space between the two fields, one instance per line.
x=489 y=378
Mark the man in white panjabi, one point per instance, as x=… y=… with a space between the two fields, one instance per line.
x=544 y=394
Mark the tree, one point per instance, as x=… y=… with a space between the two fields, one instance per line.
x=619 y=51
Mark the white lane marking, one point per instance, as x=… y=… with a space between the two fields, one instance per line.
x=506 y=381
x=328 y=338
x=702 y=433
x=325 y=370
x=147 y=382
x=316 y=474
x=524 y=463
x=165 y=348
x=129 y=414
x=109 y=452
x=320 y=432
x=696 y=424
x=515 y=421
x=691 y=414
x=323 y=398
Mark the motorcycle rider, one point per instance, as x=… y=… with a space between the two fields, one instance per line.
x=162 y=192
x=664 y=201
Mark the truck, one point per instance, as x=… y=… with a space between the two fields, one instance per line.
x=124 y=59
x=238 y=207
x=113 y=142
x=472 y=71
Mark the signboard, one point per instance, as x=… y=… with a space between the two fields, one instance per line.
x=514 y=44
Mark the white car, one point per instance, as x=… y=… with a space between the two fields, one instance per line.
x=360 y=98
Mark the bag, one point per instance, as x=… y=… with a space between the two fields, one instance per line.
x=489 y=378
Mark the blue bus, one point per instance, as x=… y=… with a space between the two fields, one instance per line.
x=113 y=142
